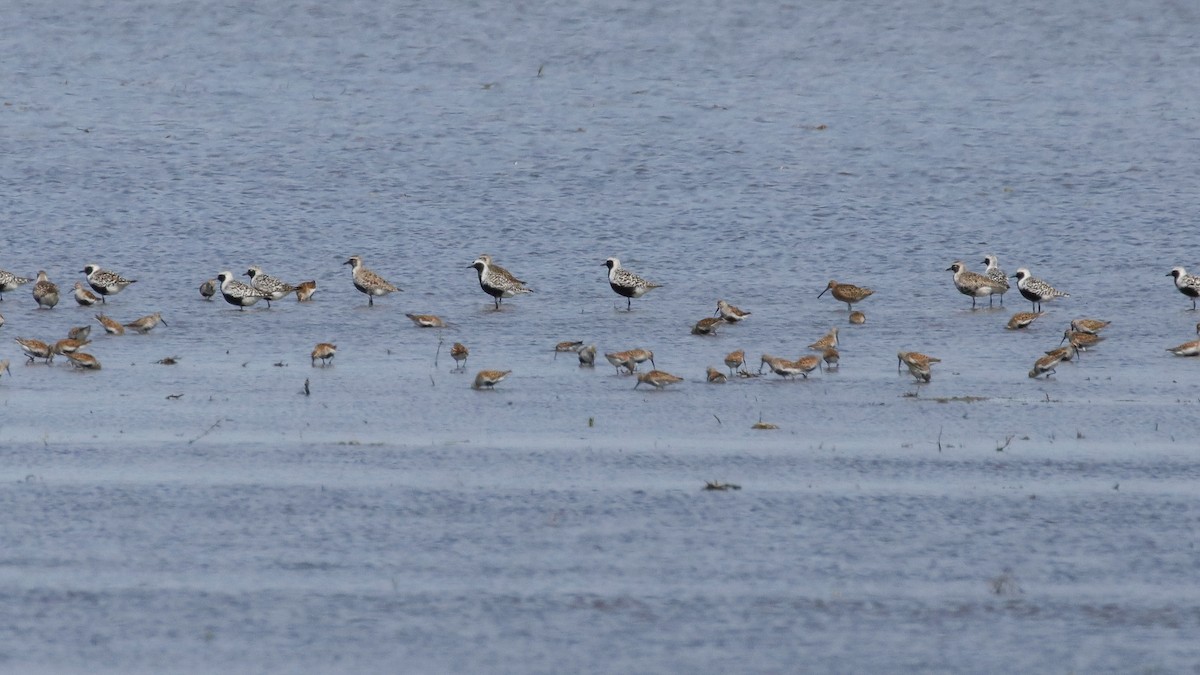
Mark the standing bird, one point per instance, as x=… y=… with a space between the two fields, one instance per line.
x=324 y=351
x=274 y=288
x=828 y=340
x=735 y=360
x=971 y=283
x=621 y=360
x=83 y=296
x=627 y=284
x=146 y=323
x=369 y=282
x=305 y=290
x=730 y=313
x=208 y=289
x=4 y=367
x=45 y=292
x=847 y=293
x=10 y=282
x=497 y=281
x=237 y=293
x=459 y=352
x=832 y=357
x=858 y=318
x=1188 y=348
x=1 y=319
x=997 y=275
x=105 y=282
x=488 y=379
x=1188 y=284
x=1035 y=290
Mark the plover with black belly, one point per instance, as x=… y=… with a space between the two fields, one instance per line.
x=146 y=323
x=497 y=281
x=730 y=313
x=971 y=283
x=274 y=288
x=105 y=282
x=847 y=293
x=1035 y=290
x=1188 y=284
x=44 y=291
x=369 y=282
x=657 y=379
x=997 y=275
x=10 y=282
x=487 y=379
x=587 y=356
x=237 y=293
x=1188 y=348
x=627 y=284
x=83 y=296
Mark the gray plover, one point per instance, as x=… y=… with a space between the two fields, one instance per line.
x=997 y=275
x=1188 y=284
x=275 y=289
x=237 y=293
x=105 y=282
x=971 y=283
x=369 y=282
x=10 y=282
x=497 y=281
x=1035 y=290
x=627 y=284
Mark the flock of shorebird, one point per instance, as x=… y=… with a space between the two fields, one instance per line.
x=500 y=284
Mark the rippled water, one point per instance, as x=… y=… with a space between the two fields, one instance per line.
x=397 y=520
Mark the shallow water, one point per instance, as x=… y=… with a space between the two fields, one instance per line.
x=395 y=516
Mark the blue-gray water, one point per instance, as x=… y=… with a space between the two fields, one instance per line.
x=396 y=520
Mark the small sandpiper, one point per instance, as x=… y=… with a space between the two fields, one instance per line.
x=208 y=289
x=1093 y=326
x=79 y=332
x=997 y=275
x=1035 y=290
x=459 y=352
x=111 y=326
x=828 y=340
x=847 y=293
x=44 y=291
x=921 y=371
x=83 y=296
x=4 y=366
x=1080 y=340
x=587 y=356
x=707 y=326
x=735 y=360
x=1046 y=364
x=715 y=376
x=36 y=349
x=275 y=289
x=1022 y=320
x=1188 y=284
x=146 y=323
x=83 y=361
x=426 y=320
x=305 y=290
x=858 y=318
x=324 y=351
x=237 y=293
x=105 y=282
x=971 y=283
x=730 y=313
x=369 y=282
x=642 y=356
x=621 y=360
x=831 y=357
x=10 y=282
x=1188 y=348
x=657 y=379
x=627 y=284
x=572 y=346
x=67 y=345
x=487 y=379
x=497 y=281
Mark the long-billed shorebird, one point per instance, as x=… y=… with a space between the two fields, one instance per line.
x=847 y=293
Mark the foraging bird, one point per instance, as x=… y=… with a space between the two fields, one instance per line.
x=488 y=379
x=426 y=320
x=918 y=359
x=36 y=349
x=1022 y=320
x=627 y=284
x=497 y=281
x=237 y=293
x=847 y=293
x=832 y=357
x=735 y=360
x=110 y=326
x=305 y=290
x=858 y=318
x=715 y=376
x=657 y=379
x=1046 y=364
x=587 y=356
x=1188 y=348
x=730 y=313
x=707 y=326
x=67 y=345
x=459 y=352
x=324 y=351
x=146 y=323
x=828 y=340
x=369 y=282
x=1093 y=326
x=79 y=332
x=4 y=366
x=83 y=361
x=567 y=346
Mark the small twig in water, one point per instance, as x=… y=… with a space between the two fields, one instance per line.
x=306 y=390
x=174 y=397
x=940 y=439
x=207 y=431
x=1007 y=440
x=718 y=419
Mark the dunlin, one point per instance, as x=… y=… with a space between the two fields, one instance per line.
x=1022 y=320
x=110 y=326
x=858 y=318
x=831 y=357
x=730 y=313
x=621 y=360
x=657 y=379
x=4 y=366
x=459 y=352
x=79 y=332
x=715 y=376
x=1080 y=340
x=83 y=361
x=587 y=356
x=915 y=358
x=305 y=290
x=486 y=379
x=1093 y=326
x=1046 y=364
x=1188 y=348
x=572 y=346
x=426 y=320
x=146 y=323
x=208 y=289
x=707 y=326
x=36 y=349
x=83 y=296
x=324 y=351
x=735 y=360
x=828 y=340
x=67 y=345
